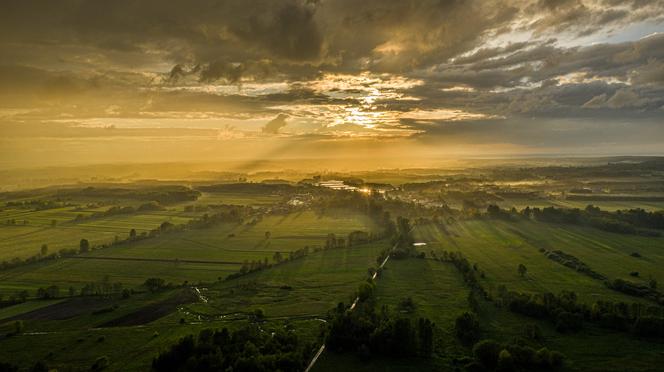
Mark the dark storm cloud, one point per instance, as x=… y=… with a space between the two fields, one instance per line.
x=384 y=35
x=546 y=80
x=587 y=17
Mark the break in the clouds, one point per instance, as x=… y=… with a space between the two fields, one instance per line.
x=428 y=71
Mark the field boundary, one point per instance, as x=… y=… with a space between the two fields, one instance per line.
x=167 y=260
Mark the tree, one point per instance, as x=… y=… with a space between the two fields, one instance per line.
x=404 y=231
x=18 y=326
x=425 y=333
x=467 y=328
x=522 y=269
x=132 y=234
x=100 y=364
x=50 y=292
x=505 y=361
x=44 y=250
x=154 y=284
x=40 y=366
x=486 y=351
x=365 y=291
x=22 y=295
x=84 y=246
x=277 y=257
x=53 y=291
x=259 y=315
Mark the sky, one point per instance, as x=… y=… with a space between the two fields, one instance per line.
x=85 y=81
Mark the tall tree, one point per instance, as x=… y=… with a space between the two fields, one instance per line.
x=84 y=246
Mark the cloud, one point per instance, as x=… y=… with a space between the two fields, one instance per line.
x=597 y=101
x=274 y=125
x=625 y=98
x=650 y=74
x=373 y=66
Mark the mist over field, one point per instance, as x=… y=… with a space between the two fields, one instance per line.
x=325 y=185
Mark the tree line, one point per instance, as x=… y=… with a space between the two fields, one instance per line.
x=246 y=349
x=568 y=315
x=160 y=194
x=369 y=332
x=632 y=221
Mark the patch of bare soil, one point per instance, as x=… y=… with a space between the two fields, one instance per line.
x=154 y=311
x=66 y=309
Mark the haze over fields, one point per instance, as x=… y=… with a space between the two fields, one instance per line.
x=153 y=81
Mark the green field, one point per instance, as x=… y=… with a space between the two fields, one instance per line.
x=307 y=287
x=316 y=283
x=498 y=247
x=237 y=198
x=607 y=205
x=25 y=240
x=439 y=294
x=71 y=332
x=77 y=342
x=221 y=254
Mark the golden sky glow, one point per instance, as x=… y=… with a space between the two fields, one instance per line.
x=202 y=81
